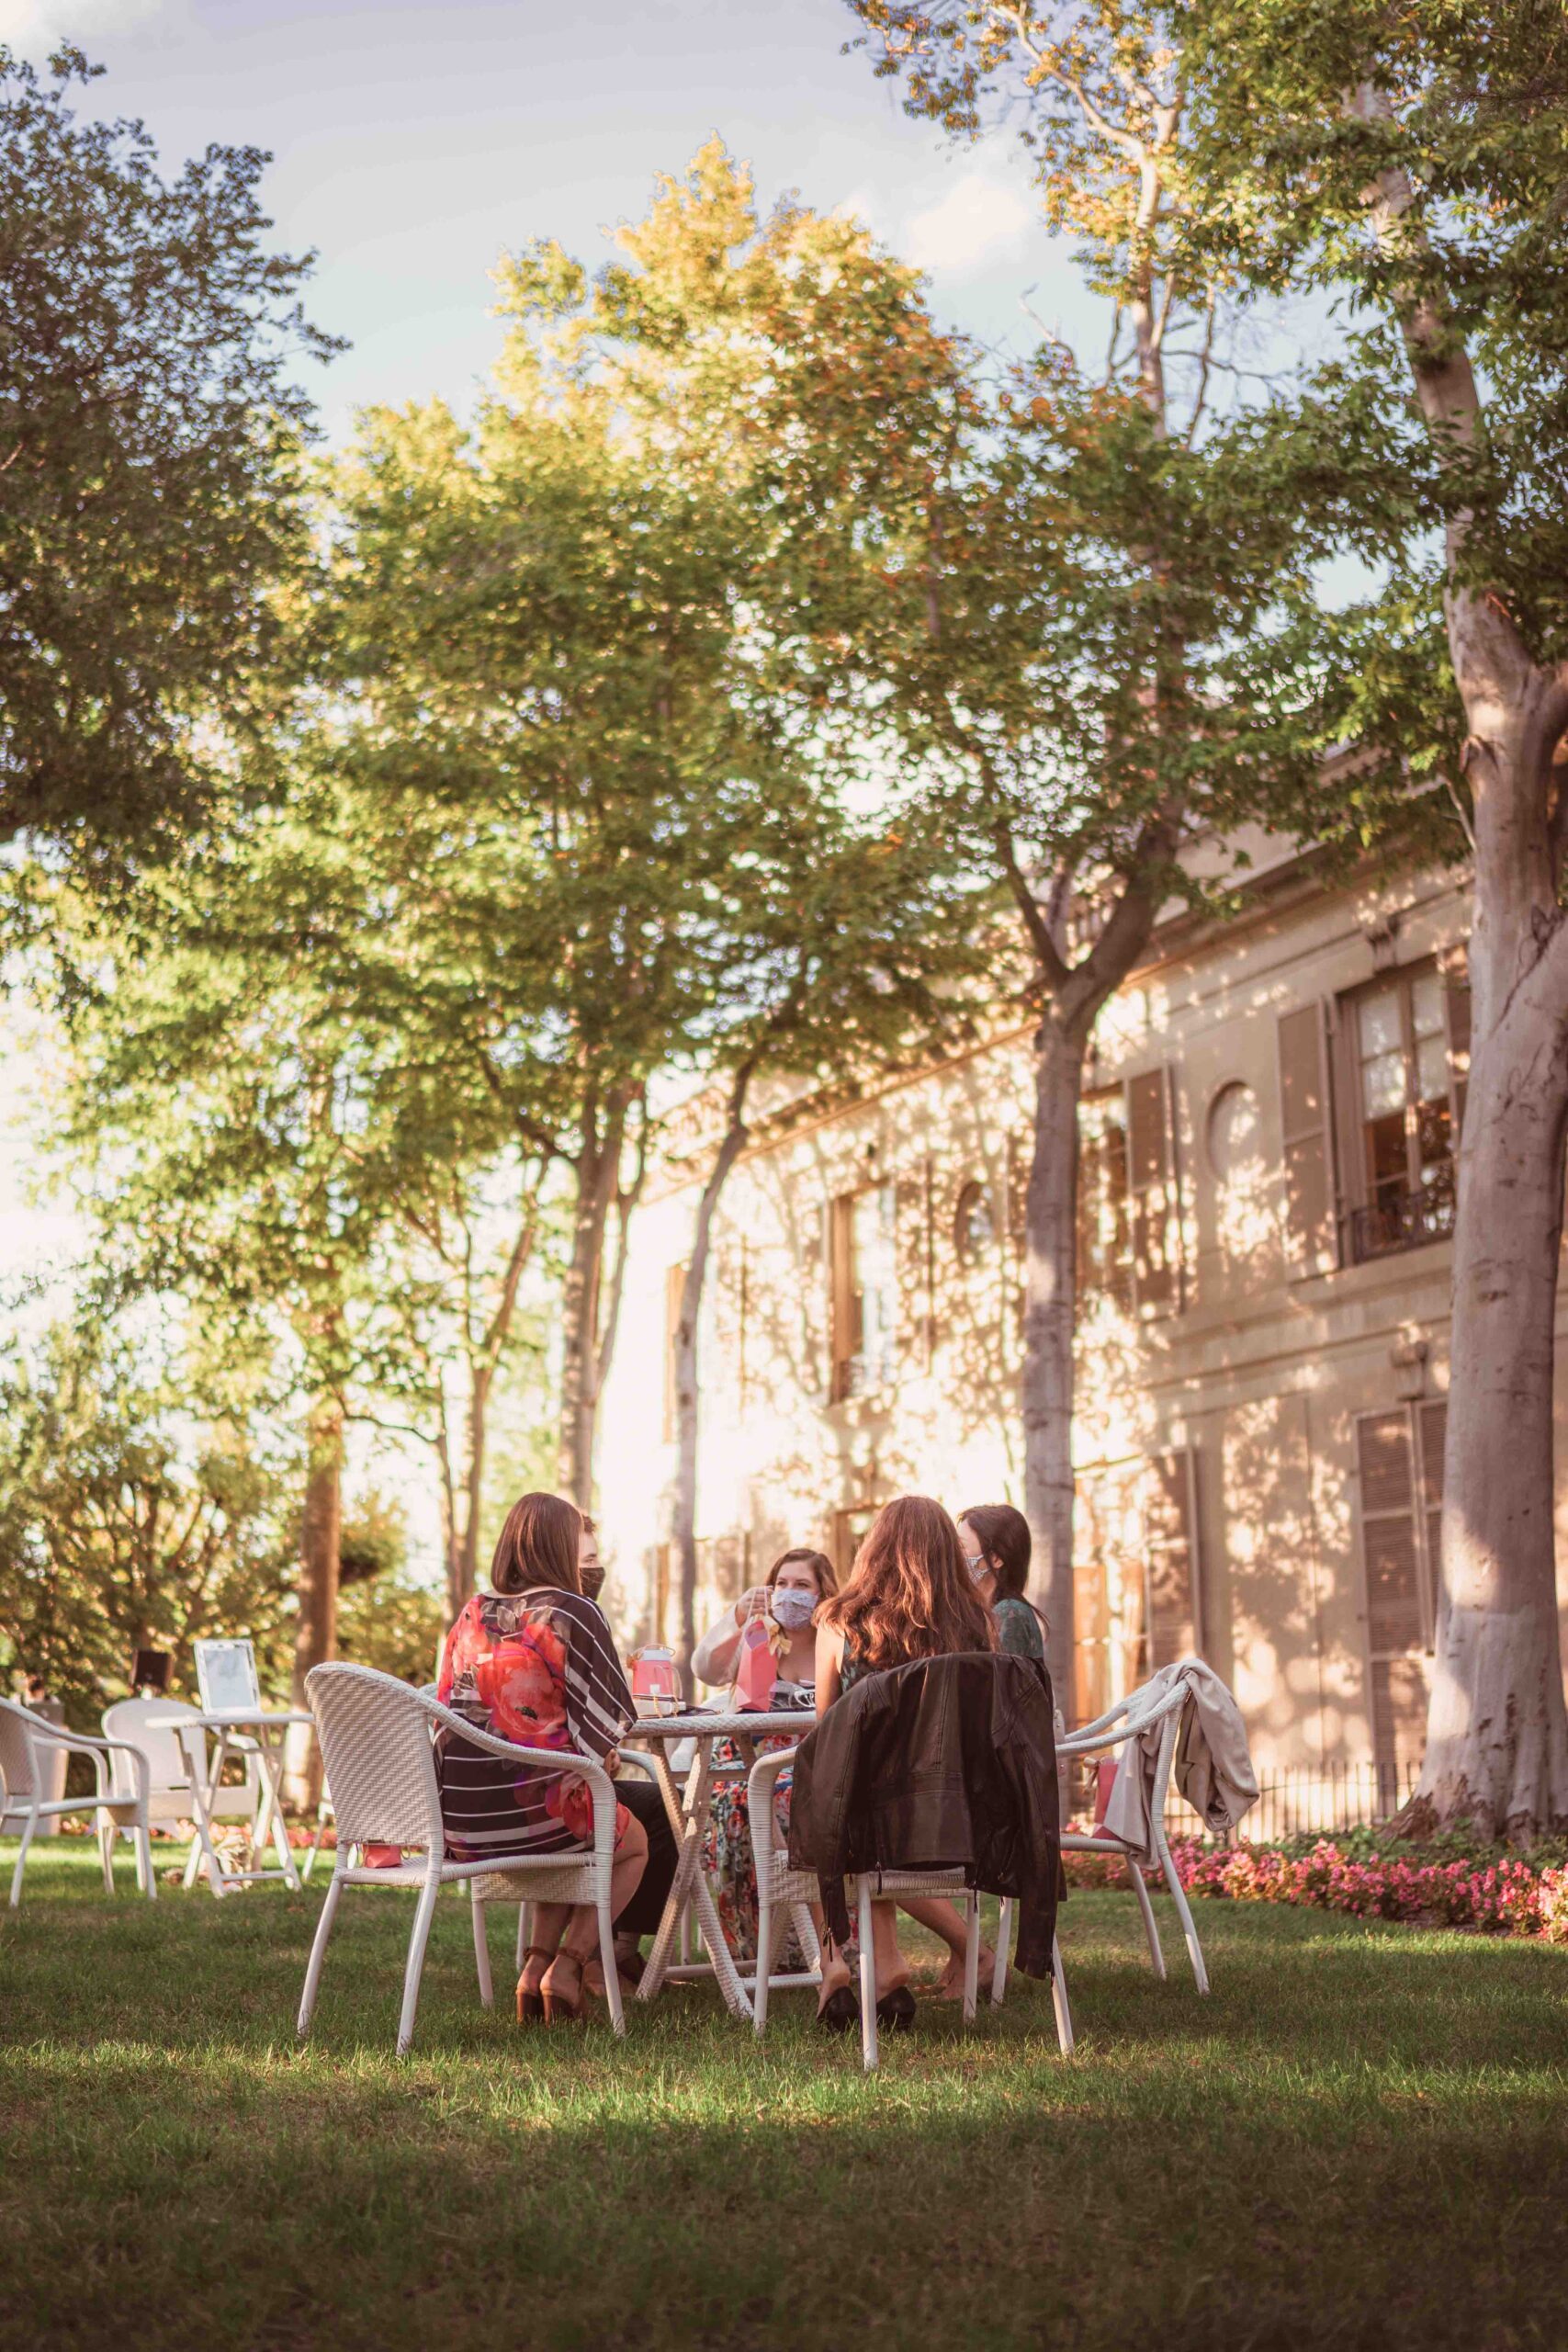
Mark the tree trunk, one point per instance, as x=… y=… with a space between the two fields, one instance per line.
x=1049 y=1295
x=597 y=1178
x=315 y=1635
x=1497 y=1737
x=683 y=1528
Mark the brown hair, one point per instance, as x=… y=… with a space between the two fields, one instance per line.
x=820 y=1565
x=910 y=1594
x=1004 y=1538
x=538 y=1545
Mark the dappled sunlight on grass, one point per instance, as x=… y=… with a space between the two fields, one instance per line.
x=1271 y=2165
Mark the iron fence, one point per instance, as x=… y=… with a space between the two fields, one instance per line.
x=1297 y=1802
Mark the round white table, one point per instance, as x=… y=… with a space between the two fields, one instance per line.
x=253 y=1731
x=687 y=1807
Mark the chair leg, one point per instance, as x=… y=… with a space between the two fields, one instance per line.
x=415 y=1968
x=868 y=2049
x=1151 y=1925
x=1184 y=1912
x=319 y=1952
x=141 y=1847
x=972 y=1958
x=106 y=1850
x=28 y=1825
x=523 y=1934
x=1004 y=1948
x=1059 y=2002
x=765 y=1941
x=607 y=1954
x=481 y=1949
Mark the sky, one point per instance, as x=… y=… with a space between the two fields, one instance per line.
x=412 y=143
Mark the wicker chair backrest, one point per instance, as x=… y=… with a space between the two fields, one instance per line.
x=380 y=1765
x=17 y=1752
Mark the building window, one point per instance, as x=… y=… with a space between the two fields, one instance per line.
x=1129 y=1226
x=1399 y=1462
x=1136 y=1578
x=1398 y=1044
x=865 y=1291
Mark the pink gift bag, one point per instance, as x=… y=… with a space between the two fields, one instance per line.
x=758 y=1670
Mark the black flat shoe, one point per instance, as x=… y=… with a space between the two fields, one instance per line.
x=839 y=2013
x=896 y=2010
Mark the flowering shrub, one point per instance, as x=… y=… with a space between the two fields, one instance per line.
x=1510 y=1898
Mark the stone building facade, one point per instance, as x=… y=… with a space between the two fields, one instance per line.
x=1268 y=1139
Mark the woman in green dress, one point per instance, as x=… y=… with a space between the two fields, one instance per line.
x=996 y=1547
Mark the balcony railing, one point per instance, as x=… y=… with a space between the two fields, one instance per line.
x=1404 y=1220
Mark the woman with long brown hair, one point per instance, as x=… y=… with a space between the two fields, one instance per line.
x=909 y=1595
x=533 y=1661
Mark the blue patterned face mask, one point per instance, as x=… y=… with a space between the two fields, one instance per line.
x=792 y=1609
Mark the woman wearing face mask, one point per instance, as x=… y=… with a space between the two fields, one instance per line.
x=796 y=1584
x=996 y=1552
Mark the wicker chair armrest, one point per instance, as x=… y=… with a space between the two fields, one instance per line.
x=574 y=1759
x=760 y=1785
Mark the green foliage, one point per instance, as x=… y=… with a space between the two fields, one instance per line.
x=392 y=1622
x=151 y=491
x=127 y=1523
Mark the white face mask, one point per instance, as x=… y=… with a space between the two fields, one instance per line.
x=792 y=1608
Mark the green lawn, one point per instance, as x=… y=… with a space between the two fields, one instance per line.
x=1360 y=2138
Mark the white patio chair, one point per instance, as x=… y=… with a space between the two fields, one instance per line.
x=781 y=1889
x=1119 y=1728
x=128 y=1722
x=376 y=1740
x=22 y=1735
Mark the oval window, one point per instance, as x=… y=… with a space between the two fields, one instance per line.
x=974 y=1225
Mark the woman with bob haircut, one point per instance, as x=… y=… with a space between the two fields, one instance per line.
x=533 y=1661
x=910 y=1596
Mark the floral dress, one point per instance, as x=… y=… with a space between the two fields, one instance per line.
x=729 y=1861
x=538 y=1667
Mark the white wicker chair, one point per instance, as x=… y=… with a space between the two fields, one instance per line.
x=377 y=1738
x=126 y=1723
x=1121 y=1727
x=781 y=1889
x=22 y=1733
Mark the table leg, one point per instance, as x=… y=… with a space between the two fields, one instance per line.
x=683 y=1821
x=689 y=1889
x=269 y=1811
x=202 y=1783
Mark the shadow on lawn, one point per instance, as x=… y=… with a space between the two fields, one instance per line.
x=1357 y=2139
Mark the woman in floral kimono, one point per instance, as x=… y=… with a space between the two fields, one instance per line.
x=534 y=1662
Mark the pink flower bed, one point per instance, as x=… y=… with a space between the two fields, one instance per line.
x=1509 y=1898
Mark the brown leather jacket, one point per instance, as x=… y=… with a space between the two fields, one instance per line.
x=948 y=1761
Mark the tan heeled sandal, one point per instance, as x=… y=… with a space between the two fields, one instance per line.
x=558 y=2010
x=530 y=2000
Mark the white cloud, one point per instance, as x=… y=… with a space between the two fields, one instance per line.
x=978 y=220
x=35 y=25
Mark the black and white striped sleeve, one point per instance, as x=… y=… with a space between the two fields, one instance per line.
x=599 y=1708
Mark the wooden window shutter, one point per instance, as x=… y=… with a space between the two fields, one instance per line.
x=1455 y=969
x=1173 y=1618
x=1310 y=1222
x=844 y=1339
x=1392 y=1545
x=913 y=1212
x=674 y=1283
x=1151 y=1171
